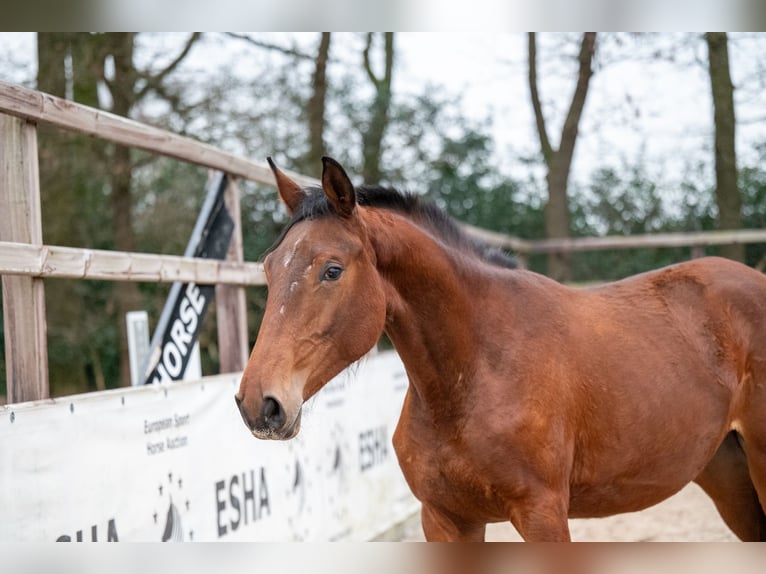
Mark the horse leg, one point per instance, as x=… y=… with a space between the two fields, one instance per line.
x=439 y=526
x=751 y=425
x=542 y=517
x=726 y=479
x=755 y=451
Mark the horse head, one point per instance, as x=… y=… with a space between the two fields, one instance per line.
x=326 y=304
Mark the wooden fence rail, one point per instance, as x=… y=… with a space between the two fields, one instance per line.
x=696 y=240
x=575 y=244
x=35 y=106
x=76 y=263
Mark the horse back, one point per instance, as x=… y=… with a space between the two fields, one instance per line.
x=708 y=291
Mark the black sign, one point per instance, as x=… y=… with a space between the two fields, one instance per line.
x=181 y=320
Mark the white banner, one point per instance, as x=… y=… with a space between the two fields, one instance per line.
x=175 y=462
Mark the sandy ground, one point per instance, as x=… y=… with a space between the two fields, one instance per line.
x=689 y=516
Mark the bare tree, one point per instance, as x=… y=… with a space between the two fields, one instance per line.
x=317 y=105
x=559 y=161
x=72 y=175
x=126 y=94
x=372 y=138
x=726 y=191
x=85 y=57
x=122 y=88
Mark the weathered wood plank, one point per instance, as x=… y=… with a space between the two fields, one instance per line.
x=497 y=239
x=71 y=262
x=40 y=107
x=24 y=322
x=680 y=239
x=231 y=307
x=77 y=263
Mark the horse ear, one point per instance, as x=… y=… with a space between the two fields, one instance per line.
x=338 y=187
x=291 y=193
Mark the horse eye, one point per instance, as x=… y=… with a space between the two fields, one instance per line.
x=332 y=273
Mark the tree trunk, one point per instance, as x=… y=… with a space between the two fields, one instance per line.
x=559 y=161
x=126 y=295
x=74 y=172
x=70 y=169
x=316 y=110
x=125 y=95
x=56 y=171
x=52 y=49
x=372 y=139
x=87 y=58
x=727 y=193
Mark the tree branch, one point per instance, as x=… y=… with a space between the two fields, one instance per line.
x=153 y=81
x=570 y=129
x=542 y=132
x=317 y=104
x=367 y=66
x=267 y=46
x=389 y=38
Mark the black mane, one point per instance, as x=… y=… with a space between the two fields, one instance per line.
x=424 y=212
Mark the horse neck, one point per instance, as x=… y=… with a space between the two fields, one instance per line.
x=430 y=307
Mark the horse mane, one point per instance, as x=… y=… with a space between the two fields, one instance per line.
x=425 y=213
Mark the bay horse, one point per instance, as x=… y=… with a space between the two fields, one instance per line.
x=528 y=400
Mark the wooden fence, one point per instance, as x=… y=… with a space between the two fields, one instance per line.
x=25 y=261
x=697 y=241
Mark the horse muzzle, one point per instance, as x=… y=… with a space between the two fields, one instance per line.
x=271 y=421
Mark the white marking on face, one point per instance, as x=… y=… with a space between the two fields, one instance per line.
x=282 y=310
x=289 y=257
x=293 y=285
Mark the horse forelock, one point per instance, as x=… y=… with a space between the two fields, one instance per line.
x=423 y=212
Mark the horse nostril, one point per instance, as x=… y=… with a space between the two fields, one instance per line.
x=273 y=413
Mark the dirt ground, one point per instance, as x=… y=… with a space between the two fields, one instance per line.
x=689 y=516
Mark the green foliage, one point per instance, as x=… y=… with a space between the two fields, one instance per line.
x=630 y=203
x=752 y=185
x=76 y=212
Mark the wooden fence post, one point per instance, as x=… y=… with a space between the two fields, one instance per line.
x=26 y=350
x=230 y=305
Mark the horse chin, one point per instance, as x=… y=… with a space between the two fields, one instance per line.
x=285 y=433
